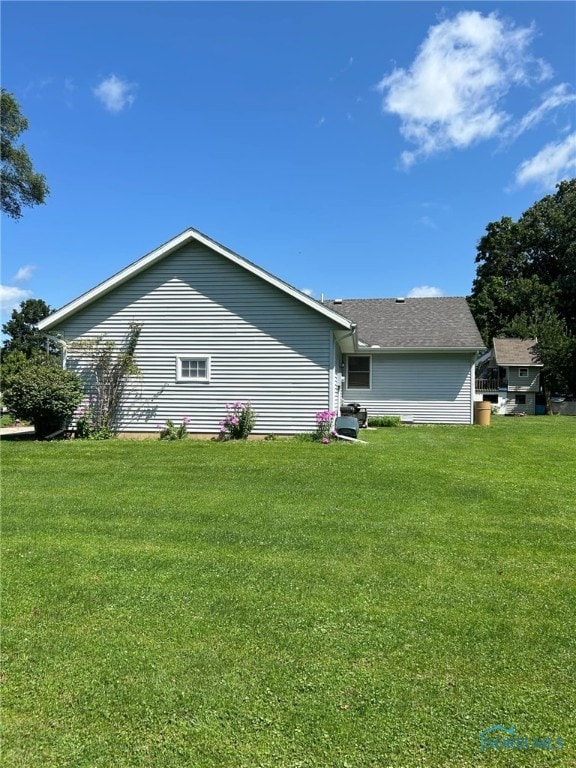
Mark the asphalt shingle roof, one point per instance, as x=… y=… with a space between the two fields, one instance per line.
x=516 y=352
x=429 y=323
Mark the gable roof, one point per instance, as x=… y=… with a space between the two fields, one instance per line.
x=516 y=352
x=406 y=324
x=188 y=236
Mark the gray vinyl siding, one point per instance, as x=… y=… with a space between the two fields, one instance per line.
x=264 y=346
x=425 y=388
x=511 y=406
x=517 y=383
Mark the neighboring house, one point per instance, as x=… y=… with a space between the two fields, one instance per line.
x=216 y=328
x=509 y=376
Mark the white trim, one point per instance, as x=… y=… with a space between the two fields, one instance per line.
x=472 y=390
x=190 y=235
x=412 y=350
x=332 y=373
x=190 y=380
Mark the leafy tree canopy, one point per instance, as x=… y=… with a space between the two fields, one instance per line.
x=21 y=185
x=23 y=336
x=525 y=282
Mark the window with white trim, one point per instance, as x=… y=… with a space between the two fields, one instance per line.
x=523 y=373
x=358 y=374
x=192 y=368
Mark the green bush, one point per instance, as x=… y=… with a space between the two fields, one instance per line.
x=87 y=425
x=44 y=394
x=171 y=432
x=385 y=421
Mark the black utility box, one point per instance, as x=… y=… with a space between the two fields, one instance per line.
x=356 y=410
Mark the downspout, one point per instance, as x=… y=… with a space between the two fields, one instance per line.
x=332 y=383
x=349 y=439
x=62 y=343
x=352 y=333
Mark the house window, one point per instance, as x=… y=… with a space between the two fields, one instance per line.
x=520 y=399
x=523 y=373
x=192 y=368
x=358 y=372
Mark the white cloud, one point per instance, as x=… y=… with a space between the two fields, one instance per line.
x=115 y=94
x=425 y=291
x=24 y=273
x=11 y=297
x=557 y=97
x=429 y=222
x=555 y=162
x=451 y=95
x=308 y=291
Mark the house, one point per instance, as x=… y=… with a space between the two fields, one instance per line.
x=509 y=377
x=414 y=358
x=217 y=328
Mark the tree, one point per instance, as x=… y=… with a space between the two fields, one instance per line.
x=21 y=185
x=44 y=394
x=23 y=336
x=526 y=282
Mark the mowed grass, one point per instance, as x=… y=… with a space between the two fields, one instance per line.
x=288 y=605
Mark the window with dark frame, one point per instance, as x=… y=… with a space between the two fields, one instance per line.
x=520 y=399
x=358 y=372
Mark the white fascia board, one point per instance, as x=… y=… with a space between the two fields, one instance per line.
x=164 y=250
x=409 y=350
x=521 y=365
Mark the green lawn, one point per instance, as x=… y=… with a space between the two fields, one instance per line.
x=288 y=605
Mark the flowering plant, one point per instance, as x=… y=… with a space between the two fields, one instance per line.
x=323 y=426
x=238 y=422
x=88 y=424
x=171 y=432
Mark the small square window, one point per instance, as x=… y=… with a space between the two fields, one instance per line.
x=358 y=372
x=520 y=399
x=192 y=368
x=523 y=373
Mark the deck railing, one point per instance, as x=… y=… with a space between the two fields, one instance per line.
x=490 y=384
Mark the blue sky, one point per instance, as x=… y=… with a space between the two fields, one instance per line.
x=352 y=149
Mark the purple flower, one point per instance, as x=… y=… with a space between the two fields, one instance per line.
x=325 y=440
x=186 y=420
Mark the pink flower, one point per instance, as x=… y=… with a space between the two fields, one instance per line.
x=325 y=440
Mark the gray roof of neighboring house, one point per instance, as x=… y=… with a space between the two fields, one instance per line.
x=430 y=323
x=516 y=352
